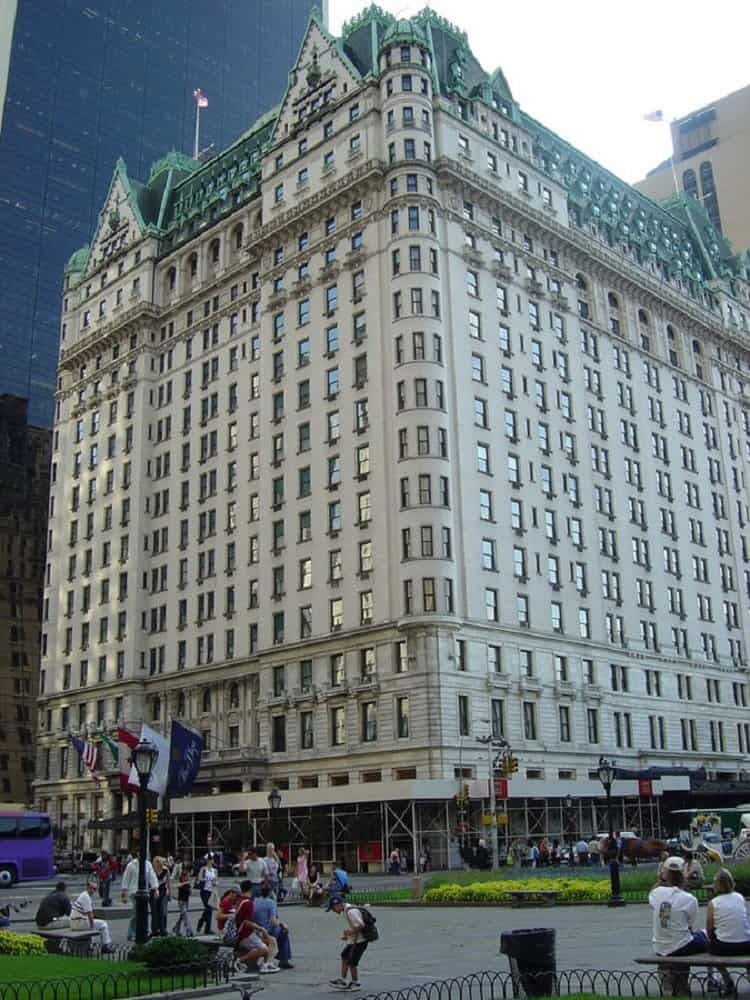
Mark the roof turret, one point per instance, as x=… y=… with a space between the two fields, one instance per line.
x=403 y=32
x=78 y=261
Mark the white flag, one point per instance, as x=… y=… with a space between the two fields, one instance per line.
x=160 y=771
x=654 y=116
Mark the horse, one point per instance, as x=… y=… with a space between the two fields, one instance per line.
x=636 y=849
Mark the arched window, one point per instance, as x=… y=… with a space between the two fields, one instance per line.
x=697 y=348
x=643 y=317
x=206 y=701
x=581 y=282
x=155 y=709
x=214 y=251
x=237 y=236
x=193 y=264
x=689 y=184
x=670 y=331
x=172 y=279
x=181 y=704
x=710 y=197
x=614 y=302
x=234 y=696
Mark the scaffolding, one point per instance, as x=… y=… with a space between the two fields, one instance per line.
x=362 y=835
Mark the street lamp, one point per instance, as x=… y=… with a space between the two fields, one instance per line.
x=606 y=774
x=496 y=748
x=274 y=799
x=569 y=827
x=144 y=758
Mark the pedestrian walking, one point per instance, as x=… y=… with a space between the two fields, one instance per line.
x=359 y=931
x=105 y=869
x=206 y=884
x=129 y=887
x=182 y=927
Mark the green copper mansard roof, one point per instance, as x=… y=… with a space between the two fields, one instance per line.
x=78 y=260
x=182 y=196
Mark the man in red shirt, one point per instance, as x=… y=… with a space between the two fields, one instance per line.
x=253 y=943
x=105 y=869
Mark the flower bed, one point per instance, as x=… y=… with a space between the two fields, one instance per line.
x=571 y=890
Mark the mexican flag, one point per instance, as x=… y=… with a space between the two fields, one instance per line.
x=111 y=746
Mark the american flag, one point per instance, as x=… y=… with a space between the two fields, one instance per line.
x=200 y=98
x=89 y=754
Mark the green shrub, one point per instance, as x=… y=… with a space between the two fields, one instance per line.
x=169 y=952
x=21 y=944
x=572 y=890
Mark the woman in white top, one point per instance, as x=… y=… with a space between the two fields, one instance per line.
x=727 y=924
x=206 y=882
x=675 y=913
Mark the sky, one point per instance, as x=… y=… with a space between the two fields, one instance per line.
x=591 y=69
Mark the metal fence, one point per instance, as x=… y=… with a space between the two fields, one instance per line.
x=575 y=982
x=115 y=985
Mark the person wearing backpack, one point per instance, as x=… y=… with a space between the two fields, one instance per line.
x=358 y=933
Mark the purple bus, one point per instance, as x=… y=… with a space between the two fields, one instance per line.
x=26 y=848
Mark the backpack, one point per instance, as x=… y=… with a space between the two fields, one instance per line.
x=369 y=931
x=231 y=933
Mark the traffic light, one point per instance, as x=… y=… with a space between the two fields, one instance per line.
x=152 y=817
x=512 y=765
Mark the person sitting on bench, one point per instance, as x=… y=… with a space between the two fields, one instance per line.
x=82 y=916
x=54 y=909
x=727 y=925
x=675 y=914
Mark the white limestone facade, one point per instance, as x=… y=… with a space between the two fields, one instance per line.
x=389 y=450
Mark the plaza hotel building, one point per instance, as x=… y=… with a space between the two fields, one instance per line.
x=397 y=424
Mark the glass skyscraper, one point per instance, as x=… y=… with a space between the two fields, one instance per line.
x=92 y=80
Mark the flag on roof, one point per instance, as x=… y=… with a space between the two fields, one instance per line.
x=200 y=98
x=654 y=116
x=89 y=754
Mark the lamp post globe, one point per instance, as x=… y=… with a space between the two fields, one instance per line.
x=274 y=799
x=144 y=758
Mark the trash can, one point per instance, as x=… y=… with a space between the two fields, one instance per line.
x=531 y=954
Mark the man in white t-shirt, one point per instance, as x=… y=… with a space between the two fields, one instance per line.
x=82 y=916
x=675 y=914
x=129 y=887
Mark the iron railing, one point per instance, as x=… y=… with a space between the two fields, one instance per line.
x=115 y=985
x=576 y=982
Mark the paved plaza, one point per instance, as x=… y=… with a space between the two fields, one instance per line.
x=418 y=944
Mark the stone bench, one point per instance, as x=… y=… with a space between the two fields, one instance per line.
x=533 y=897
x=78 y=942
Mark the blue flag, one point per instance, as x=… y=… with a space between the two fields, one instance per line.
x=185 y=752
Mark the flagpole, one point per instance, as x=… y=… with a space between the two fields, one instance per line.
x=196 y=146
